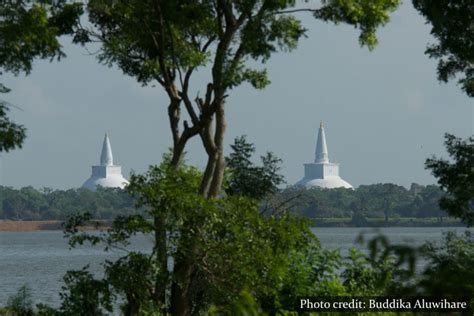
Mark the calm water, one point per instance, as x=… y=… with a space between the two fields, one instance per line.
x=40 y=259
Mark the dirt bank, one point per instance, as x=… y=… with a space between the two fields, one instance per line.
x=29 y=226
x=26 y=226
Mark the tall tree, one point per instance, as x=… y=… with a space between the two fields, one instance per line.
x=29 y=30
x=452 y=26
x=249 y=180
x=234 y=248
x=166 y=42
x=456 y=178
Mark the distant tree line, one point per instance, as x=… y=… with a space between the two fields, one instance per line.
x=370 y=201
x=29 y=203
x=385 y=200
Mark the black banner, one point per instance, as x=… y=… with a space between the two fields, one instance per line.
x=394 y=304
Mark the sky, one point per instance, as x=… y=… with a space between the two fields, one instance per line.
x=384 y=111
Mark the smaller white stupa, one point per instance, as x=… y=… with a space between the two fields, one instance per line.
x=322 y=173
x=106 y=174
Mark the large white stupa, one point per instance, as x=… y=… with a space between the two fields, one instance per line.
x=106 y=174
x=322 y=173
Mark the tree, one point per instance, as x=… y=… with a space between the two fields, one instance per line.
x=83 y=295
x=451 y=22
x=234 y=249
x=392 y=195
x=13 y=207
x=456 y=178
x=11 y=134
x=449 y=271
x=249 y=180
x=30 y=204
x=29 y=30
x=21 y=303
x=446 y=270
x=430 y=196
x=166 y=42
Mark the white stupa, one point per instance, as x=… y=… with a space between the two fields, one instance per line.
x=322 y=173
x=106 y=175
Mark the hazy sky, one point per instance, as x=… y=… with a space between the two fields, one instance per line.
x=384 y=111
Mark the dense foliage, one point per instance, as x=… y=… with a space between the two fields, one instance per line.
x=369 y=201
x=246 y=178
x=449 y=271
x=11 y=133
x=47 y=204
x=451 y=26
x=29 y=30
x=383 y=200
x=21 y=303
x=234 y=248
x=456 y=177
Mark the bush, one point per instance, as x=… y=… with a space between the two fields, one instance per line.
x=21 y=303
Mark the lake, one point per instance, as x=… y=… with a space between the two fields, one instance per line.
x=40 y=259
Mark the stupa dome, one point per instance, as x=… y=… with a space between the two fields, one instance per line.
x=328 y=183
x=112 y=181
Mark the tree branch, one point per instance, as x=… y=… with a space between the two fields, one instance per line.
x=228 y=14
x=297 y=11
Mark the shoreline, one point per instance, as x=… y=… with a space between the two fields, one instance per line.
x=28 y=226
x=393 y=222
x=45 y=225
x=342 y=224
x=32 y=226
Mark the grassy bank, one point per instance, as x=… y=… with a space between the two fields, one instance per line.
x=393 y=222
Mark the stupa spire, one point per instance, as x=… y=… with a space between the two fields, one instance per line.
x=106 y=157
x=321 y=147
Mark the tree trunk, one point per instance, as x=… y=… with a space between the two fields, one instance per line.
x=208 y=175
x=218 y=175
x=162 y=258
x=211 y=185
x=132 y=308
x=180 y=289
